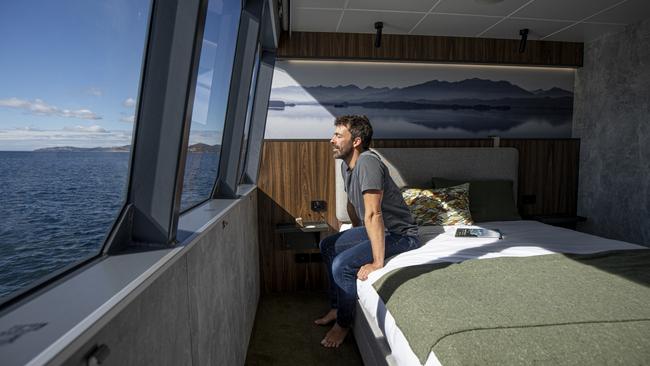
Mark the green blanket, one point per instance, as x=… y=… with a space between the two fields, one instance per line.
x=551 y=309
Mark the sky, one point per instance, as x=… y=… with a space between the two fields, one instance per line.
x=70 y=71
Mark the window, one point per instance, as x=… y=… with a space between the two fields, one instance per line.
x=210 y=101
x=70 y=74
x=249 y=115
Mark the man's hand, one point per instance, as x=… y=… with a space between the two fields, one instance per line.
x=365 y=270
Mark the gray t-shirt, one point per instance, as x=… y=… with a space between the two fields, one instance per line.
x=371 y=173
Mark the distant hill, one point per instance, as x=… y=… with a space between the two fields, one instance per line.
x=204 y=148
x=554 y=92
x=196 y=148
x=432 y=90
x=125 y=148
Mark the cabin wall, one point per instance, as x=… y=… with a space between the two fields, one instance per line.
x=414 y=48
x=199 y=310
x=612 y=120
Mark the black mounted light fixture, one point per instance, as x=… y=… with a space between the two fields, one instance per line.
x=378 y=27
x=524 y=37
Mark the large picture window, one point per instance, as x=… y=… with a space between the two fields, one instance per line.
x=210 y=102
x=70 y=73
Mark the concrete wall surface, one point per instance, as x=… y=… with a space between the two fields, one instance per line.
x=612 y=120
x=200 y=310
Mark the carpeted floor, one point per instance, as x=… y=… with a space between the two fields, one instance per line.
x=284 y=333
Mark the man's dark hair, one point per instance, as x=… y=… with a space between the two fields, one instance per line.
x=359 y=126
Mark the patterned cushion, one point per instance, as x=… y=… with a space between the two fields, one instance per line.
x=443 y=206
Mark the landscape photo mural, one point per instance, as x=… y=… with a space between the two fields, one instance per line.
x=406 y=100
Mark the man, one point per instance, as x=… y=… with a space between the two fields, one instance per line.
x=387 y=227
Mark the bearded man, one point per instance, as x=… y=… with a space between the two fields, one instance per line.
x=382 y=224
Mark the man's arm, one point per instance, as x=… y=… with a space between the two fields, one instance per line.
x=352 y=213
x=374 y=223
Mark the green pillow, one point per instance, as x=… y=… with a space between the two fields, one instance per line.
x=489 y=200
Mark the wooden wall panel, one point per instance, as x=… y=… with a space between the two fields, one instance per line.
x=412 y=48
x=295 y=172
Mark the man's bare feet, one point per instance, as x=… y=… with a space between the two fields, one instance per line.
x=335 y=336
x=327 y=318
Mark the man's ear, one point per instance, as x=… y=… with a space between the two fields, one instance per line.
x=357 y=142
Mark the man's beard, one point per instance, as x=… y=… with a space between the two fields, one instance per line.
x=342 y=153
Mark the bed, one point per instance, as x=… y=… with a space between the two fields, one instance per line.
x=542 y=294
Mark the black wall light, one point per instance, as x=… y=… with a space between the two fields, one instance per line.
x=378 y=27
x=524 y=36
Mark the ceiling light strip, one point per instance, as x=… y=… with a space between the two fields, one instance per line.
x=467 y=15
x=388 y=11
x=583 y=20
x=504 y=18
x=424 y=16
x=562 y=21
x=342 y=14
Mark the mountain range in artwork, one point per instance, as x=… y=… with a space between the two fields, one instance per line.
x=433 y=92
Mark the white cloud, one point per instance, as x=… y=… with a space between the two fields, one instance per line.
x=129 y=103
x=91 y=129
x=39 y=107
x=94 y=91
x=128 y=119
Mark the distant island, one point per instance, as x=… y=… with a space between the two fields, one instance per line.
x=195 y=148
x=204 y=148
x=125 y=148
x=279 y=105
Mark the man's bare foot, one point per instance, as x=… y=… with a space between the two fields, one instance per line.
x=327 y=318
x=335 y=336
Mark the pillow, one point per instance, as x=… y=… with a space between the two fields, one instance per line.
x=489 y=200
x=445 y=206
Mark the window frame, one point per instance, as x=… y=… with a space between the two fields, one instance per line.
x=225 y=186
x=243 y=155
x=259 y=115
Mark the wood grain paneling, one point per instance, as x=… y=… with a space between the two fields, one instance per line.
x=412 y=48
x=295 y=172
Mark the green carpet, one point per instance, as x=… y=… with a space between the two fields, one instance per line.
x=284 y=333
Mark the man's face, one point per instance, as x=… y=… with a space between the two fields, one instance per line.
x=342 y=143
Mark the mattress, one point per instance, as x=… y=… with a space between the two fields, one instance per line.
x=520 y=239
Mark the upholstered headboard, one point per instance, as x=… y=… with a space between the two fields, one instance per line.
x=414 y=167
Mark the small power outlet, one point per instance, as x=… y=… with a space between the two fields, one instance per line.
x=318 y=206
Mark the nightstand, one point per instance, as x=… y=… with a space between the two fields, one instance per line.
x=296 y=237
x=561 y=220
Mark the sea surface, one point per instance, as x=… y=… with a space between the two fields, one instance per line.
x=56 y=208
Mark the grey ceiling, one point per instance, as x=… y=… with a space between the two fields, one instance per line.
x=554 y=20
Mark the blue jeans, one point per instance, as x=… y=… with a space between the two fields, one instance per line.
x=344 y=253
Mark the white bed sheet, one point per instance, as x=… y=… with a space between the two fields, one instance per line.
x=520 y=239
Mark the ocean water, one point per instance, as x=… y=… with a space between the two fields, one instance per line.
x=56 y=208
